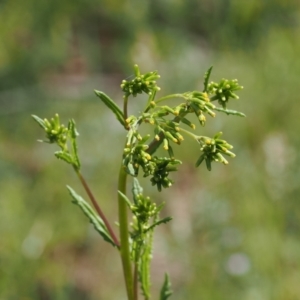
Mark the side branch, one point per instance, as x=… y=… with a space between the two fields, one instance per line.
x=98 y=209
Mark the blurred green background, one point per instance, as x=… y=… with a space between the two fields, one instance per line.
x=236 y=230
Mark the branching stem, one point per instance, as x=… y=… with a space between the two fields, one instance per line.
x=194 y=136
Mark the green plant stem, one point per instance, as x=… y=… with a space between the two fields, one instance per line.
x=135 y=281
x=189 y=133
x=124 y=235
x=97 y=208
x=125 y=108
x=168 y=97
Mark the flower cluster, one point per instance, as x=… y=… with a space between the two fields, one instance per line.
x=141 y=83
x=199 y=103
x=165 y=130
x=163 y=166
x=135 y=156
x=224 y=90
x=59 y=134
x=212 y=150
x=143 y=209
x=55 y=131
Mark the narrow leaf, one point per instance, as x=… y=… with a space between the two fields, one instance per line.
x=91 y=214
x=164 y=220
x=124 y=197
x=160 y=206
x=73 y=134
x=230 y=112
x=39 y=121
x=206 y=78
x=208 y=164
x=218 y=135
x=72 y=129
x=200 y=160
x=112 y=106
x=166 y=291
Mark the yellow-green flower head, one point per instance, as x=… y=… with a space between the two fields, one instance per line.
x=141 y=83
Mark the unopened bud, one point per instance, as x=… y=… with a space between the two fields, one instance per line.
x=166 y=144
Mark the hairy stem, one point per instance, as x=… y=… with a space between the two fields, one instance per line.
x=124 y=235
x=98 y=209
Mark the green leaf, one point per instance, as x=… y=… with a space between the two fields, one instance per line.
x=208 y=164
x=166 y=291
x=164 y=220
x=72 y=129
x=112 y=106
x=67 y=157
x=200 y=160
x=160 y=206
x=206 y=78
x=136 y=189
x=218 y=135
x=124 y=197
x=230 y=112
x=144 y=270
x=73 y=135
x=91 y=214
x=131 y=170
x=39 y=121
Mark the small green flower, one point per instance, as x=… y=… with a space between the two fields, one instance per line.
x=224 y=90
x=55 y=131
x=59 y=134
x=212 y=150
x=163 y=166
x=199 y=103
x=141 y=83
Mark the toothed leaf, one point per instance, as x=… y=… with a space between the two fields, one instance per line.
x=164 y=220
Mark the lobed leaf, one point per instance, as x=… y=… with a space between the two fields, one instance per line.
x=164 y=220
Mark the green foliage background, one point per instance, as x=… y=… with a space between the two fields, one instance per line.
x=235 y=233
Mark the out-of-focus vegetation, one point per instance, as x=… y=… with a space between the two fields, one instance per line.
x=236 y=233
